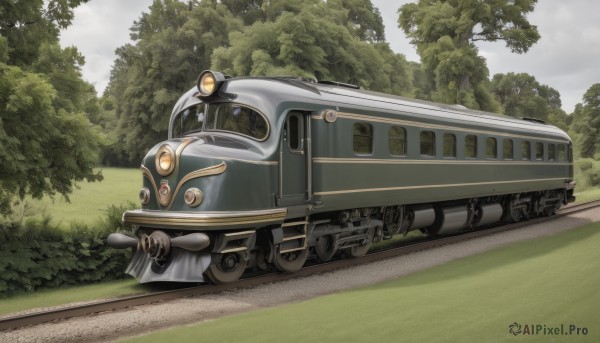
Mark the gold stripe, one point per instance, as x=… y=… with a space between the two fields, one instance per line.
x=362 y=117
x=269 y=163
x=431 y=186
x=146 y=172
x=213 y=170
x=180 y=149
x=203 y=219
x=333 y=160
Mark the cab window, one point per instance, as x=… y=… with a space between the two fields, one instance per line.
x=189 y=120
x=234 y=118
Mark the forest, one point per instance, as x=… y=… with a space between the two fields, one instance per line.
x=55 y=130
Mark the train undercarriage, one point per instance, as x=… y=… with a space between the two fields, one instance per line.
x=223 y=257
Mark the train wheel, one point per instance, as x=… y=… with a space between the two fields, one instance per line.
x=291 y=261
x=325 y=248
x=226 y=268
x=361 y=250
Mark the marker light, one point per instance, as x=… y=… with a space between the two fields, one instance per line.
x=144 y=196
x=193 y=197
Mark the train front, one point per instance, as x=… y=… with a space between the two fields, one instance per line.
x=205 y=191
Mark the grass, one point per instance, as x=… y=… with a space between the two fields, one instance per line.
x=587 y=195
x=88 y=200
x=68 y=295
x=549 y=281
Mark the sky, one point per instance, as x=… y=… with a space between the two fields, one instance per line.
x=566 y=57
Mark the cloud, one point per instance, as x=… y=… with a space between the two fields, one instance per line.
x=99 y=28
x=565 y=58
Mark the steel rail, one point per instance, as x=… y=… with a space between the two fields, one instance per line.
x=36 y=318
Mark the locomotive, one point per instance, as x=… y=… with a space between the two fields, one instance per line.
x=264 y=172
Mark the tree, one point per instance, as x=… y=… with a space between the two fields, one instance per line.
x=520 y=95
x=445 y=32
x=338 y=40
x=321 y=40
x=585 y=125
x=47 y=142
x=174 y=42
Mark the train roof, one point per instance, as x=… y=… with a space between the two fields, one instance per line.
x=276 y=90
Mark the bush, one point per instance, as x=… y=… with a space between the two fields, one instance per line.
x=37 y=254
x=587 y=173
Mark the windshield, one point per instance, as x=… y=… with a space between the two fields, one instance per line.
x=189 y=120
x=236 y=119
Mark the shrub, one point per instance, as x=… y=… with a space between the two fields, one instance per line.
x=37 y=254
x=587 y=173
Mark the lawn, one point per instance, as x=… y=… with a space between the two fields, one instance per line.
x=549 y=281
x=69 y=295
x=89 y=200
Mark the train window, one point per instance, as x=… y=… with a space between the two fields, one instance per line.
x=471 y=146
x=525 y=150
x=427 y=143
x=491 y=148
x=562 y=156
x=539 y=151
x=362 y=138
x=449 y=145
x=397 y=141
x=294 y=132
x=508 y=149
x=229 y=117
x=551 y=152
x=188 y=121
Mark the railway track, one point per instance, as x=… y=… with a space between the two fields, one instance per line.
x=36 y=318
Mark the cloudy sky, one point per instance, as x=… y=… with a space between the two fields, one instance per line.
x=565 y=58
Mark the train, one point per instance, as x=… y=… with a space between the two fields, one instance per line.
x=266 y=172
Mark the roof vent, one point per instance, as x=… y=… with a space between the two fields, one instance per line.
x=336 y=83
x=534 y=120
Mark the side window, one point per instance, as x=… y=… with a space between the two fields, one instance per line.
x=539 y=151
x=294 y=132
x=508 y=149
x=491 y=148
x=427 y=143
x=551 y=152
x=397 y=141
x=525 y=150
x=562 y=156
x=471 y=146
x=449 y=145
x=362 y=138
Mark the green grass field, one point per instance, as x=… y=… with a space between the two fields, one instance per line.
x=549 y=281
x=69 y=295
x=89 y=200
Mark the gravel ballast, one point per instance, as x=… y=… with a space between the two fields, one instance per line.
x=144 y=319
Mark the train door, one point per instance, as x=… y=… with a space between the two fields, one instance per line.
x=295 y=160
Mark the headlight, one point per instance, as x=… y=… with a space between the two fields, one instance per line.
x=165 y=160
x=144 y=196
x=193 y=197
x=209 y=82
